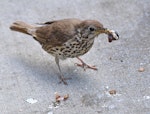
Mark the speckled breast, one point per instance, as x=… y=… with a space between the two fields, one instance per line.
x=72 y=48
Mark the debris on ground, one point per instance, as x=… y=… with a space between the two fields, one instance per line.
x=141 y=69
x=146 y=97
x=31 y=101
x=112 y=92
x=59 y=98
x=50 y=112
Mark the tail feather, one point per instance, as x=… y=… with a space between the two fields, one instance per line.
x=23 y=27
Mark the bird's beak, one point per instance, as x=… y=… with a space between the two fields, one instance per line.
x=112 y=35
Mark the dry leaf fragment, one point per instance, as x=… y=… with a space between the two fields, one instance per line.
x=59 y=98
x=66 y=96
x=112 y=92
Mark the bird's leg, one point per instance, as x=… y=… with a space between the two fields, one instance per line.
x=61 y=77
x=84 y=65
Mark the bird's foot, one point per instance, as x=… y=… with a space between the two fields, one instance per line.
x=84 y=65
x=63 y=80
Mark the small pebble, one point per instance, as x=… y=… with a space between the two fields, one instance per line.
x=31 y=101
x=141 y=69
x=50 y=112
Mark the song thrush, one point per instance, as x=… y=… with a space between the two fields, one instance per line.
x=67 y=38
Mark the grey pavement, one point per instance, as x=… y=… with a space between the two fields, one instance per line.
x=26 y=71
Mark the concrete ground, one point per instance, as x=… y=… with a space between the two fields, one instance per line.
x=26 y=71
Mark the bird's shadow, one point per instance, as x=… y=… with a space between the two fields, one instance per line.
x=47 y=71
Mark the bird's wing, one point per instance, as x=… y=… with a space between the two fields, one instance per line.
x=56 y=33
x=48 y=22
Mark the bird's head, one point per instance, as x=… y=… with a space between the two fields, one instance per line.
x=92 y=28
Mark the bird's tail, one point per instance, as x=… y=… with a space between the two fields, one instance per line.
x=23 y=27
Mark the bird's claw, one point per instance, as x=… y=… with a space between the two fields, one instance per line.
x=85 y=66
x=63 y=80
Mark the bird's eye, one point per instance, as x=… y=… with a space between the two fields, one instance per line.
x=92 y=29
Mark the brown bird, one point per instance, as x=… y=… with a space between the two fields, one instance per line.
x=67 y=38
